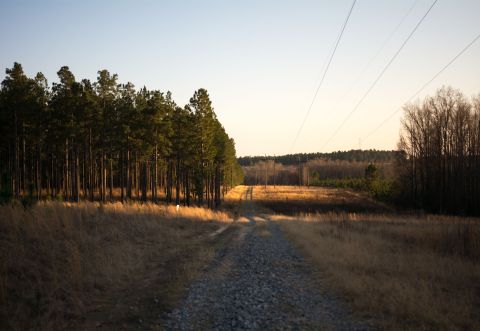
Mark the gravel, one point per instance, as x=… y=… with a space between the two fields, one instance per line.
x=260 y=282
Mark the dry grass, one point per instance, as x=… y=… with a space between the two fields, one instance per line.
x=61 y=263
x=294 y=193
x=302 y=199
x=236 y=200
x=412 y=273
x=236 y=194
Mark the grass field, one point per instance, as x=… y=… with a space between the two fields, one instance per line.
x=67 y=266
x=293 y=200
x=409 y=272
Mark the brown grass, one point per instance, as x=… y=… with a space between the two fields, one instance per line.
x=411 y=273
x=64 y=265
x=236 y=194
x=235 y=201
x=293 y=193
x=293 y=200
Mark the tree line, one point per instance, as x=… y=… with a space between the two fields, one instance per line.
x=440 y=141
x=105 y=140
x=356 y=155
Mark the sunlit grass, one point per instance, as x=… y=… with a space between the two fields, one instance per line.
x=303 y=199
x=236 y=194
x=59 y=261
x=311 y=193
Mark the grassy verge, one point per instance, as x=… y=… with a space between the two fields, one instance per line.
x=411 y=274
x=85 y=265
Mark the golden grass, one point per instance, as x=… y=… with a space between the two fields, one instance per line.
x=412 y=273
x=61 y=262
x=309 y=193
x=297 y=199
x=236 y=194
x=292 y=192
x=236 y=201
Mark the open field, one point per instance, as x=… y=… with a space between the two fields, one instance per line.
x=84 y=265
x=409 y=272
x=293 y=200
x=81 y=266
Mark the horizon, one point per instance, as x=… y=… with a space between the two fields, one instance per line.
x=261 y=63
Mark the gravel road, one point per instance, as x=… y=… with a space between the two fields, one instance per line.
x=260 y=282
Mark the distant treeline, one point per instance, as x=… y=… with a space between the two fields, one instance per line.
x=313 y=172
x=105 y=140
x=357 y=155
x=326 y=172
x=441 y=142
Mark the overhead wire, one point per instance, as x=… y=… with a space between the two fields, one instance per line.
x=380 y=75
x=424 y=85
x=323 y=76
x=379 y=51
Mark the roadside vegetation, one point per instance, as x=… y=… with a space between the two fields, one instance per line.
x=407 y=272
x=84 y=265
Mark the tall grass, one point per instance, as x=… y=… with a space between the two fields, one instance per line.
x=59 y=261
x=410 y=272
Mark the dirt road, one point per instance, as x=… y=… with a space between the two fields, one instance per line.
x=260 y=282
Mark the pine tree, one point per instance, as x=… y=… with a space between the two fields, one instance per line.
x=77 y=138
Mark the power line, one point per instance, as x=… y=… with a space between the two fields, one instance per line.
x=323 y=76
x=424 y=86
x=379 y=51
x=379 y=76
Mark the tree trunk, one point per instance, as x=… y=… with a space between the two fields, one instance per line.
x=155 y=176
x=177 y=193
x=169 y=180
x=77 y=175
x=143 y=177
x=111 y=178
x=129 y=180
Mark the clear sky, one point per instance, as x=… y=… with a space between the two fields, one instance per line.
x=261 y=61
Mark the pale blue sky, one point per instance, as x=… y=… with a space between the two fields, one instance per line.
x=260 y=60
